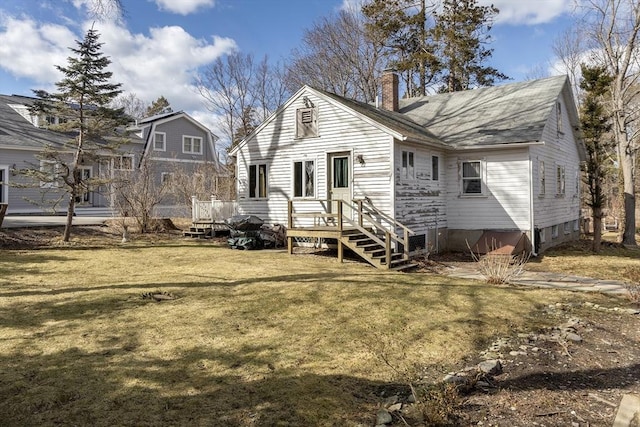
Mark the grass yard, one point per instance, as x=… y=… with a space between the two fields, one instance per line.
x=252 y=339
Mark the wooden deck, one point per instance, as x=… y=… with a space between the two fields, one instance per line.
x=366 y=231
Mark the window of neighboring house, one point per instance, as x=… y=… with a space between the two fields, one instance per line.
x=408 y=170
x=191 y=145
x=124 y=163
x=560 y=180
x=559 y=117
x=304 y=179
x=49 y=170
x=4 y=183
x=472 y=177
x=543 y=179
x=51 y=120
x=159 y=141
x=435 y=168
x=306 y=122
x=554 y=232
x=166 y=178
x=257 y=181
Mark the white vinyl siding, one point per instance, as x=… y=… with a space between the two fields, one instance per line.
x=505 y=203
x=278 y=147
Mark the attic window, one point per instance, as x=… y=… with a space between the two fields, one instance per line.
x=306 y=122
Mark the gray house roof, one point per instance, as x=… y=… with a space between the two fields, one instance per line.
x=18 y=132
x=506 y=114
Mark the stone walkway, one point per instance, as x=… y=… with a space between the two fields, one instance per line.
x=549 y=280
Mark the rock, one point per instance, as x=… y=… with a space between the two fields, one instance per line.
x=630 y=310
x=490 y=367
x=573 y=337
x=456 y=378
x=395 y=407
x=391 y=400
x=383 y=417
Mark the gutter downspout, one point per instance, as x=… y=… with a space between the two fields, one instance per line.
x=531 y=211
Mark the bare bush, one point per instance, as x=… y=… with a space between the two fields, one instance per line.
x=498 y=268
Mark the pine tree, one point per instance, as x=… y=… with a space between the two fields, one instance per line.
x=159 y=106
x=596 y=125
x=82 y=103
x=461 y=33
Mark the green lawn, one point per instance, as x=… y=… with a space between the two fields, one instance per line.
x=253 y=338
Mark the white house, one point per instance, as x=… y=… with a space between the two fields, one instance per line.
x=449 y=168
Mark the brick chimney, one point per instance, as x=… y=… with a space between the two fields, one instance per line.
x=390 y=90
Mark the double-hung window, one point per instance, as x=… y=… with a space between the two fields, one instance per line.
x=191 y=144
x=408 y=169
x=123 y=163
x=159 y=141
x=258 y=181
x=560 y=180
x=435 y=168
x=304 y=178
x=472 y=177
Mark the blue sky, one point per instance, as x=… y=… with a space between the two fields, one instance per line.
x=160 y=45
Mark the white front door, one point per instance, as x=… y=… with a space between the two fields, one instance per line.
x=340 y=180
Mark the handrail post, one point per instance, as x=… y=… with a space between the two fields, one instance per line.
x=340 y=215
x=406 y=244
x=289 y=214
x=387 y=249
x=194 y=209
x=360 y=212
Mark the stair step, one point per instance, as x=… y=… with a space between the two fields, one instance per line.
x=404 y=267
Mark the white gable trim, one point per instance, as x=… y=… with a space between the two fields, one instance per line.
x=325 y=98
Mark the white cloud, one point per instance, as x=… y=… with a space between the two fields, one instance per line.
x=164 y=62
x=31 y=50
x=516 y=12
x=183 y=7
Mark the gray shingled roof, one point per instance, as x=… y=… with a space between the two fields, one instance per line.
x=504 y=114
x=16 y=131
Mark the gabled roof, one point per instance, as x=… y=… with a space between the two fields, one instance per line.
x=507 y=114
x=18 y=132
x=513 y=113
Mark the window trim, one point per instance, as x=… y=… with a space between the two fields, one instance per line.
x=164 y=141
x=257 y=187
x=303 y=185
x=193 y=138
x=410 y=157
x=4 y=183
x=542 y=178
x=481 y=177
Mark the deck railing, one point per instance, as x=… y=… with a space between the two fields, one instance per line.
x=212 y=210
x=362 y=215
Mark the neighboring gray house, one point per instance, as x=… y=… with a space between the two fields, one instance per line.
x=443 y=170
x=174 y=140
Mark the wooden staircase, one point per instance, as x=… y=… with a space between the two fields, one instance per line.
x=366 y=231
x=373 y=249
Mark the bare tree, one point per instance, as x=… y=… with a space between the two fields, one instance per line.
x=338 y=56
x=611 y=30
x=240 y=92
x=136 y=193
x=569 y=49
x=133 y=106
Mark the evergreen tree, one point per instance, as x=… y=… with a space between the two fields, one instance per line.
x=461 y=33
x=596 y=124
x=82 y=106
x=159 y=106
